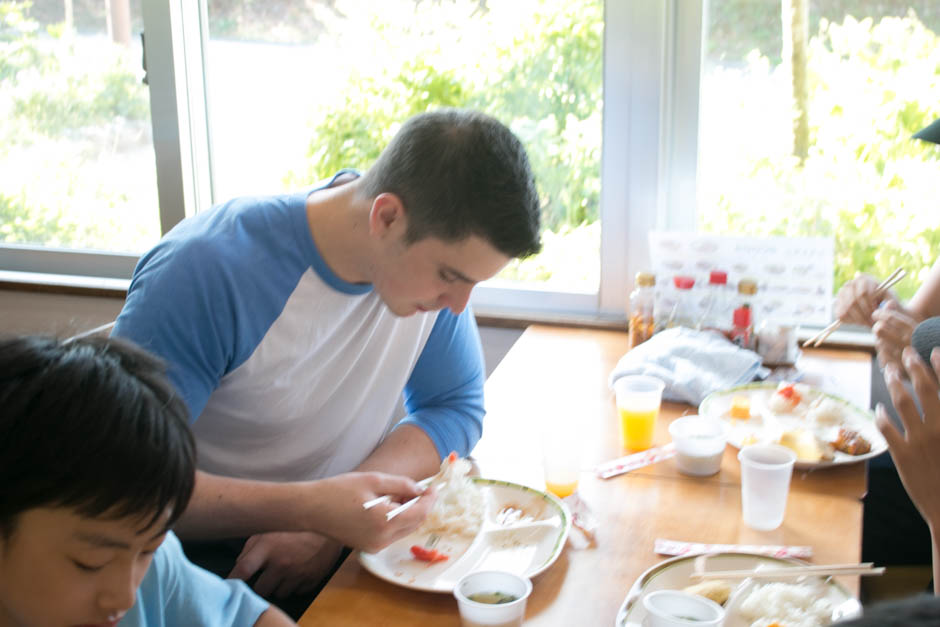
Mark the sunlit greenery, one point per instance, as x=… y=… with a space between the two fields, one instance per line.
x=71 y=108
x=872 y=84
x=866 y=182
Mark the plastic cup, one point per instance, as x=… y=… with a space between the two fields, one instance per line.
x=672 y=608
x=700 y=444
x=638 y=401
x=561 y=458
x=492 y=584
x=765 y=481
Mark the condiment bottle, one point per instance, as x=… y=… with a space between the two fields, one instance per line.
x=642 y=299
x=716 y=316
x=742 y=329
x=683 y=311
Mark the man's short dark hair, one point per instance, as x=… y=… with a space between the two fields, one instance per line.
x=93 y=425
x=461 y=173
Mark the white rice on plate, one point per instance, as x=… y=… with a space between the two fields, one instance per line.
x=460 y=507
x=792 y=604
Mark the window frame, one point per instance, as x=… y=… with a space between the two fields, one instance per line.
x=652 y=60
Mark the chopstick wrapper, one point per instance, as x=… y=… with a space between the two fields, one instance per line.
x=676 y=547
x=636 y=460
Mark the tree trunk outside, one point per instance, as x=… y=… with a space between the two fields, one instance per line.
x=795 y=15
x=119 y=21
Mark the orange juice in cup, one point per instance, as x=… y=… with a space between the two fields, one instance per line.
x=638 y=401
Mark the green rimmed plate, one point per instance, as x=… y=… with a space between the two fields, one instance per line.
x=674 y=574
x=765 y=426
x=524 y=548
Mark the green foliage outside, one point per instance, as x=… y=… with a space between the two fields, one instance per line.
x=69 y=106
x=549 y=93
x=866 y=182
x=873 y=83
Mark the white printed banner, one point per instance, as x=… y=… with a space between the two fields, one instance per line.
x=793 y=274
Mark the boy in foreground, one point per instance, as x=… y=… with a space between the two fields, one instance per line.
x=97 y=463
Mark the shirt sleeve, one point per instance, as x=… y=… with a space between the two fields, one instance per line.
x=444 y=395
x=177 y=592
x=171 y=310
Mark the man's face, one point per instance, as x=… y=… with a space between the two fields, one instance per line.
x=61 y=569
x=431 y=274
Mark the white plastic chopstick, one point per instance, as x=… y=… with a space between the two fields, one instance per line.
x=793 y=571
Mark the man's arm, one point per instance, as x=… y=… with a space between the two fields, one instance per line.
x=224 y=507
x=406 y=451
x=444 y=394
x=926 y=302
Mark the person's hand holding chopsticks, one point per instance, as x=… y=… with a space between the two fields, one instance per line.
x=857 y=301
x=336 y=508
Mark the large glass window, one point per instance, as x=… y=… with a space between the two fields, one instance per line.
x=300 y=89
x=76 y=156
x=805 y=122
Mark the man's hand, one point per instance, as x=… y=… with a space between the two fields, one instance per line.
x=916 y=452
x=339 y=513
x=856 y=301
x=893 y=329
x=289 y=562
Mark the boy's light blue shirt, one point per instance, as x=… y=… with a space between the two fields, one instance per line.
x=177 y=592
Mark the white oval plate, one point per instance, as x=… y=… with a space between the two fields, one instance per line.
x=526 y=548
x=718 y=404
x=673 y=574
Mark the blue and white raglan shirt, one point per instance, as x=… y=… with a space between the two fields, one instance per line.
x=177 y=592
x=291 y=373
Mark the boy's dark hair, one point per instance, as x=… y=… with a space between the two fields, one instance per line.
x=461 y=173
x=920 y=610
x=91 y=424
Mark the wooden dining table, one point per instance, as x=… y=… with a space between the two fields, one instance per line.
x=559 y=376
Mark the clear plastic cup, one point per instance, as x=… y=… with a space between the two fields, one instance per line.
x=562 y=444
x=673 y=608
x=700 y=444
x=765 y=482
x=492 y=586
x=638 y=401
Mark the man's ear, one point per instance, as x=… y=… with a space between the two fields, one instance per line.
x=387 y=215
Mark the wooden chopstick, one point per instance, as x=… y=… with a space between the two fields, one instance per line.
x=820 y=337
x=793 y=571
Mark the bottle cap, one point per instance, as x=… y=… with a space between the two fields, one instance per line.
x=747 y=286
x=645 y=279
x=718 y=277
x=684 y=282
x=742 y=316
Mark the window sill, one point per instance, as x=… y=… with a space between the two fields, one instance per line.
x=63 y=284
x=486 y=316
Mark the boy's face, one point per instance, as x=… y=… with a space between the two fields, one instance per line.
x=432 y=274
x=60 y=569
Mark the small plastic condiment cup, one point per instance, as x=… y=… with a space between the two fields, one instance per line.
x=674 y=608
x=477 y=614
x=700 y=444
